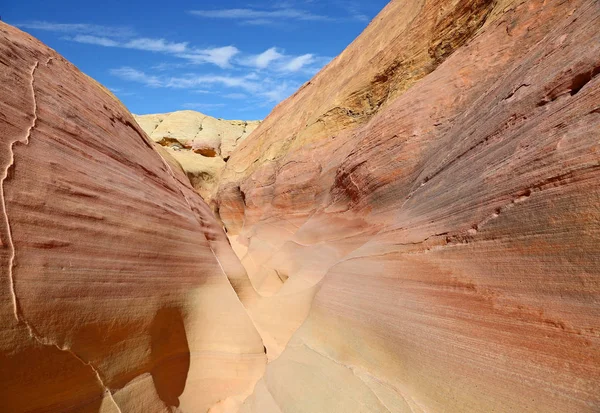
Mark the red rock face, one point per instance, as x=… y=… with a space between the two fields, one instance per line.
x=418 y=228
x=437 y=186
x=112 y=297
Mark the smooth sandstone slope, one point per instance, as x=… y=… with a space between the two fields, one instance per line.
x=200 y=143
x=436 y=189
x=113 y=296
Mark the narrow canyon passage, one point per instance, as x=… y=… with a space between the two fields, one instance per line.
x=415 y=230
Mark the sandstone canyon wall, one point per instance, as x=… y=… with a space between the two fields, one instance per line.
x=418 y=228
x=200 y=143
x=112 y=294
x=436 y=189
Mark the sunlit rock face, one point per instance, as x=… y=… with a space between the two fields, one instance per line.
x=113 y=296
x=436 y=189
x=201 y=144
x=418 y=228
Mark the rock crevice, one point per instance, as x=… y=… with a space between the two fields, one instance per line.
x=25 y=140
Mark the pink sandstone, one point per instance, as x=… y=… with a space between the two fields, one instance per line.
x=417 y=226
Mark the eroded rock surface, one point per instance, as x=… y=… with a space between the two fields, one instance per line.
x=419 y=229
x=436 y=189
x=200 y=143
x=113 y=296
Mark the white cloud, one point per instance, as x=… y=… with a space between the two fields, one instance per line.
x=272 y=59
x=89 y=39
x=242 y=82
x=125 y=38
x=259 y=77
x=259 y=22
x=129 y=73
x=79 y=28
x=155 y=45
x=267 y=89
x=275 y=60
x=263 y=60
x=185 y=82
x=120 y=92
x=254 y=16
x=278 y=92
x=146 y=44
x=298 y=63
x=283 y=11
x=220 y=56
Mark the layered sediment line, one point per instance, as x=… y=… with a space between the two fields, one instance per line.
x=435 y=189
x=112 y=297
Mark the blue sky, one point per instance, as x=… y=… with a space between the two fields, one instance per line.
x=231 y=59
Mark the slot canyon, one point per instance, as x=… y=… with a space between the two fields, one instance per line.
x=415 y=230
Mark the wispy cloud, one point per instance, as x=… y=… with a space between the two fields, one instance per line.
x=264 y=59
x=269 y=89
x=285 y=12
x=277 y=61
x=256 y=16
x=298 y=63
x=225 y=57
x=156 y=45
x=247 y=82
x=279 y=92
x=134 y=75
x=220 y=56
x=143 y=43
x=206 y=73
x=126 y=38
x=90 y=39
x=79 y=28
x=263 y=78
x=120 y=92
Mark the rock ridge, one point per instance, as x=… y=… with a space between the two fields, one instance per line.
x=200 y=143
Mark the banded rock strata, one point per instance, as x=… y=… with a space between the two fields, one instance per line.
x=418 y=229
x=113 y=296
x=436 y=189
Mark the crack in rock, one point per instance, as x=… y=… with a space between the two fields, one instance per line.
x=24 y=140
x=358 y=372
x=200 y=128
x=46 y=342
x=243 y=131
x=16 y=308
